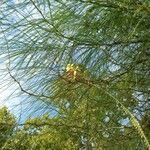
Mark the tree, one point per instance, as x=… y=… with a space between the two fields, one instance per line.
x=54 y=133
x=7 y=124
x=103 y=95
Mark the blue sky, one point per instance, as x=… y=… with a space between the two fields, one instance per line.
x=17 y=104
x=20 y=105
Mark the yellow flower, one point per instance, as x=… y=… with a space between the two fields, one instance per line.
x=69 y=67
x=71 y=70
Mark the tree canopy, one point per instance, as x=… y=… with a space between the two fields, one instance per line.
x=87 y=61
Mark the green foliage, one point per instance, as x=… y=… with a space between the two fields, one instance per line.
x=105 y=102
x=7 y=125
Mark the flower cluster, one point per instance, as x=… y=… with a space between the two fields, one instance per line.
x=71 y=70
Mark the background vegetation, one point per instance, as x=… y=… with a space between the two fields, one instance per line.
x=101 y=101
